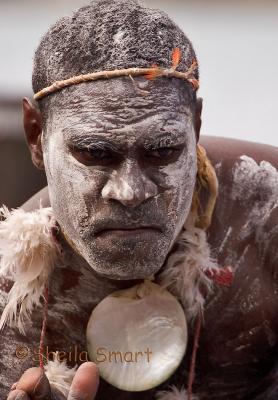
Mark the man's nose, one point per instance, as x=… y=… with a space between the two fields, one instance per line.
x=129 y=186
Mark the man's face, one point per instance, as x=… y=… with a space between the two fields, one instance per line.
x=121 y=168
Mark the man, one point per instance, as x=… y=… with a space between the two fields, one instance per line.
x=121 y=164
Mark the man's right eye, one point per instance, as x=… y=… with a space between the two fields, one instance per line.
x=91 y=156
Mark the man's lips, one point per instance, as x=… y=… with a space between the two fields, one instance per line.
x=127 y=231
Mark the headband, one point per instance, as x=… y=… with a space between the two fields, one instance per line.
x=148 y=73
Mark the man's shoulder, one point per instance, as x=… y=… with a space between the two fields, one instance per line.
x=254 y=185
x=228 y=150
x=248 y=181
x=245 y=219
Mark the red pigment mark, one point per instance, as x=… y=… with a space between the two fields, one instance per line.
x=223 y=276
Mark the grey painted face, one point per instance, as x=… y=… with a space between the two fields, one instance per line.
x=121 y=170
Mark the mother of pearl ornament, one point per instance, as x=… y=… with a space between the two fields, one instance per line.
x=137 y=336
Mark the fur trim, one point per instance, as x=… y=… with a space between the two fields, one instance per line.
x=28 y=252
x=173 y=394
x=60 y=376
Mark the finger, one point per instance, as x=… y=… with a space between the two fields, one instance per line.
x=14 y=385
x=18 y=395
x=35 y=383
x=85 y=382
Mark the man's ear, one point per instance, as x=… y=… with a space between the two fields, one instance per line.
x=198 y=117
x=32 y=123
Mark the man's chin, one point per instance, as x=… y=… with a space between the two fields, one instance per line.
x=125 y=269
x=123 y=276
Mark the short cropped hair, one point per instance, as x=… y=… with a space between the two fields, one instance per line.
x=108 y=35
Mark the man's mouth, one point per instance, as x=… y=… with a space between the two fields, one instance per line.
x=129 y=231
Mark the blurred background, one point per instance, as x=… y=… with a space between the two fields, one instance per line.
x=236 y=44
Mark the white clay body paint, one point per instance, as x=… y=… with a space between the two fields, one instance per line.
x=257 y=184
x=88 y=199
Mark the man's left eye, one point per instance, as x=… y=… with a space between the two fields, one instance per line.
x=162 y=152
x=97 y=154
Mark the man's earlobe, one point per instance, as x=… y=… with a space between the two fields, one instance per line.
x=198 y=117
x=32 y=123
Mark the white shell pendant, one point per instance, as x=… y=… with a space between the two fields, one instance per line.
x=137 y=336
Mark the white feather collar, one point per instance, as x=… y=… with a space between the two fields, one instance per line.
x=29 y=252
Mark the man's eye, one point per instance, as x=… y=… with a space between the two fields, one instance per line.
x=92 y=156
x=162 y=152
x=97 y=154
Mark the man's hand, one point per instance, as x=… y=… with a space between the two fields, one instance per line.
x=34 y=385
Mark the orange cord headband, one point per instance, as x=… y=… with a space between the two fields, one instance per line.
x=149 y=73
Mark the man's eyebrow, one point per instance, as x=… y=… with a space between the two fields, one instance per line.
x=164 y=140
x=87 y=140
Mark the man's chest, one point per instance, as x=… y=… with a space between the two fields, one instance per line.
x=236 y=348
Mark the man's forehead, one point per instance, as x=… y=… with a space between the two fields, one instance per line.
x=119 y=112
x=145 y=132
x=124 y=94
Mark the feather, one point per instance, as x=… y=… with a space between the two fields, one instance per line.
x=176 y=57
x=60 y=376
x=173 y=394
x=28 y=252
x=185 y=270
